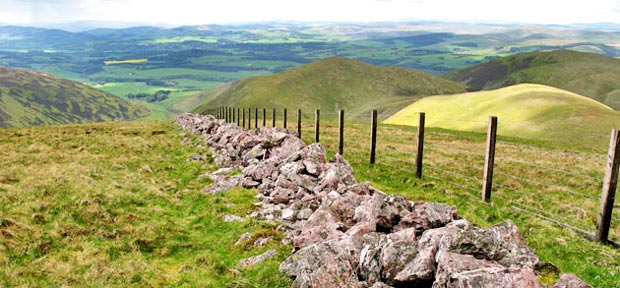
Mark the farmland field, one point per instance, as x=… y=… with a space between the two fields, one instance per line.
x=194 y=58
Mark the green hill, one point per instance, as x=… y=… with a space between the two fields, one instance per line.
x=334 y=83
x=530 y=111
x=592 y=75
x=35 y=98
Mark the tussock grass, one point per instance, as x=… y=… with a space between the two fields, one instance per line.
x=118 y=204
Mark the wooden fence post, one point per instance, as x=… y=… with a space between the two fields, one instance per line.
x=264 y=117
x=299 y=123
x=420 y=145
x=243 y=122
x=256 y=117
x=238 y=117
x=227 y=110
x=273 y=117
x=610 y=183
x=341 y=132
x=249 y=118
x=489 y=159
x=317 y=119
x=284 y=119
x=373 y=136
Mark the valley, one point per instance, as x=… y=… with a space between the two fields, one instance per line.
x=189 y=59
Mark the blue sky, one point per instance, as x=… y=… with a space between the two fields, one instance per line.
x=192 y=12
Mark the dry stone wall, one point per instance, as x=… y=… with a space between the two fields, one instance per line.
x=348 y=234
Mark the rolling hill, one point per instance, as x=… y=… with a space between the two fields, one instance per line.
x=529 y=111
x=34 y=98
x=331 y=84
x=592 y=75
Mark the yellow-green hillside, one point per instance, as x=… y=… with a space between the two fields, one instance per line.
x=335 y=83
x=526 y=110
x=34 y=98
x=591 y=75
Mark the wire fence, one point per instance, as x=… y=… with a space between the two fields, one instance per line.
x=551 y=179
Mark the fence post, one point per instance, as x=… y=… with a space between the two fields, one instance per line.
x=489 y=159
x=610 y=183
x=373 y=136
x=234 y=114
x=420 y=145
x=341 y=132
x=264 y=117
x=256 y=117
x=317 y=118
x=243 y=122
x=284 y=119
x=273 y=117
x=238 y=117
x=249 y=118
x=299 y=123
x=226 y=111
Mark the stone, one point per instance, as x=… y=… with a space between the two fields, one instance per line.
x=400 y=249
x=331 y=263
x=570 y=281
x=457 y=270
x=421 y=270
x=257 y=259
x=343 y=206
x=262 y=241
x=281 y=195
x=426 y=215
x=319 y=227
x=288 y=214
x=244 y=237
x=231 y=218
x=304 y=213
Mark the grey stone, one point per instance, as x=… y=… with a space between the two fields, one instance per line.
x=257 y=259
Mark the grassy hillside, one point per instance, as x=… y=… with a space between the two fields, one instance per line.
x=35 y=98
x=588 y=74
x=118 y=205
x=335 y=83
x=526 y=110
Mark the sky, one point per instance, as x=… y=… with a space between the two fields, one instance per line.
x=195 y=12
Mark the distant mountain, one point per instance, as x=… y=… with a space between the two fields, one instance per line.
x=332 y=84
x=34 y=98
x=591 y=75
x=529 y=111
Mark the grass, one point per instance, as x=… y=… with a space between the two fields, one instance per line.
x=35 y=98
x=117 y=205
x=529 y=111
x=335 y=83
x=587 y=74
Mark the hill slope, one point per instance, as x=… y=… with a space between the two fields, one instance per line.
x=335 y=83
x=526 y=110
x=588 y=74
x=35 y=98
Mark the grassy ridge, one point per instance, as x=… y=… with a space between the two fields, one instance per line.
x=588 y=74
x=34 y=98
x=118 y=205
x=332 y=84
x=529 y=111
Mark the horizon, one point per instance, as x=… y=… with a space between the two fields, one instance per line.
x=122 y=13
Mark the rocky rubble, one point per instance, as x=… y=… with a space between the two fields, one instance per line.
x=348 y=234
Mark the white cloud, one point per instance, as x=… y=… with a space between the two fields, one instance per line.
x=180 y=12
